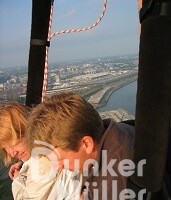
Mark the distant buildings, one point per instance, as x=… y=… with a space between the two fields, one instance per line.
x=1 y=86
x=118 y=115
x=77 y=76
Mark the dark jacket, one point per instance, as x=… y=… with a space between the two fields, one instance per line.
x=118 y=141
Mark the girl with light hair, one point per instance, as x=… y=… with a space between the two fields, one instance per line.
x=40 y=176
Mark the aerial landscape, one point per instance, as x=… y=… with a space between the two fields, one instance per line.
x=87 y=77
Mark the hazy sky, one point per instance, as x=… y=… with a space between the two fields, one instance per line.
x=117 y=33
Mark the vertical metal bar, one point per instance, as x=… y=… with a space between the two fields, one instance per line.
x=39 y=30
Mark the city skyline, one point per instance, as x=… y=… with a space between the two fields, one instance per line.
x=84 y=76
x=116 y=34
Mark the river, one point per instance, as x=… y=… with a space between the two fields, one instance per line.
x=124 y=98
